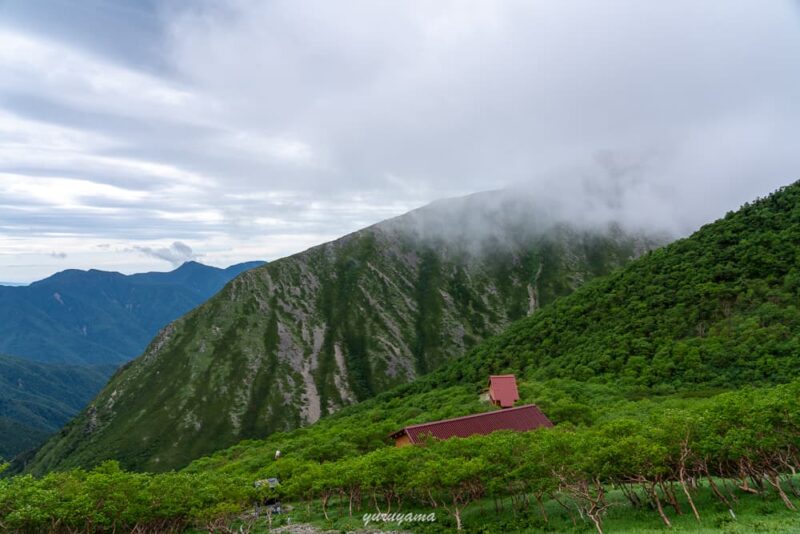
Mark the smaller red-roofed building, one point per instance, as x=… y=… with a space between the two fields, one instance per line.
x=503 y=390
x=520 y=419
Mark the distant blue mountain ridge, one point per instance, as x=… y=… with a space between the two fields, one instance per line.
x=69 y=333
x=101 y=317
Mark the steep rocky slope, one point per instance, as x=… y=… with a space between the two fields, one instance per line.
x=715 y=311
x=293 y=340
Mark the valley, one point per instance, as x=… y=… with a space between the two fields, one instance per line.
x=70 y=332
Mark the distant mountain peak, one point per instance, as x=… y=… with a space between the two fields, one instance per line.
x=193 y=264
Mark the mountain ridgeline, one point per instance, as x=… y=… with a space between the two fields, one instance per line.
x=100 y=317
x=287 y=343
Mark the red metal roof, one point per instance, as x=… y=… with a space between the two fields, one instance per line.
x=503 y=389
x=521 y=419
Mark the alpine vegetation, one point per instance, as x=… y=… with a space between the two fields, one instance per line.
x=287 y=343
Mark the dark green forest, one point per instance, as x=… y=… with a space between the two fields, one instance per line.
x=717 y=309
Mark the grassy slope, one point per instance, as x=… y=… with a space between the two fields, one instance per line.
x=307 y=334
x=710 y=312
x=348 y=434
x=366 y=426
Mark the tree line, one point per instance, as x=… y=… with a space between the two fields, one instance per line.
x=741 y=442
x=746 y=441
x=108 y=499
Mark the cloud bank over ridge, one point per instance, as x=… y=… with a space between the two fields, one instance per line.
x=247 y=129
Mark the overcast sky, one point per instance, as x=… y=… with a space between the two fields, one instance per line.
x=137 y=134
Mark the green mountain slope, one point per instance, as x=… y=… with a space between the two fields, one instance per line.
x=720 y=308
x=291 y=341
x=38 y=398
x=101 y=317
x=636 y=330
x=631 y=362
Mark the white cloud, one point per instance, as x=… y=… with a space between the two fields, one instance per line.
x=19 y=133
x=85 y=80
x=63 y=192
x=261 y=128
x=271 y=148
x=176 y=254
